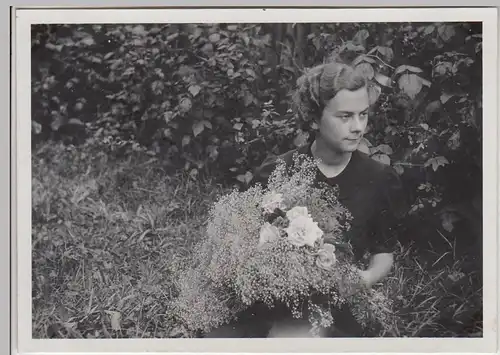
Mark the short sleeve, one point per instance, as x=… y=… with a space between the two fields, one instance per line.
x=392 y=208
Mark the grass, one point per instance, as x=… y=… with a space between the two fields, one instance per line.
x=106 y=231
x=104 y=236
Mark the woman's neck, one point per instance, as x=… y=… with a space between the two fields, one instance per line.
x=328 y=156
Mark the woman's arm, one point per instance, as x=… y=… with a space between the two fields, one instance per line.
x=384 y=229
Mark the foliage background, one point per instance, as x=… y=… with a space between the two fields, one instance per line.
x=198 y=104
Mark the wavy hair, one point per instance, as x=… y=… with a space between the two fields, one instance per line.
x=320 y=84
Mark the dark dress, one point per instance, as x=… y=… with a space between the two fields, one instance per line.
x=373 y=194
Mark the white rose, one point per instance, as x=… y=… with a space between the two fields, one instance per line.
x=302 y=230
x=326 y=257
x=268 y=233
x=272 y=201
x=297 y=211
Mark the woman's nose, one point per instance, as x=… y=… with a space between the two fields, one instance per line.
x=356 y=124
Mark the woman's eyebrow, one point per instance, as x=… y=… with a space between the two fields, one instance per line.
x=351 y=112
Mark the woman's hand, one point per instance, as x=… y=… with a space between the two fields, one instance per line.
x=380 y=266
x=367 y=279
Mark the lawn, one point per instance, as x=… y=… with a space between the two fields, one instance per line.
x=107 y=227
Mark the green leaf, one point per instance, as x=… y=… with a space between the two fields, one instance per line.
x=197 y=32
x=429 y=29
x=208 y=49
x=363 y=58
x=186 y=140
x=374 y=92
x=436 y=162
x=386 y=52
x=443 y=68
x=207 y=124
x=425 y=82
x=352 y=47
x=383 y=158
x=75 y=121
x=366 y=69
x=448 y=220
x=383 y=80
x=232 y=27
x=411 y=84
x=403 y=68
x=214 y=37
x=198 y=127
x=213 y=152
x=454 y=141
x=445 y=97
x=88 y=41
x=109 y=55
x=446 y=32
x=399 y=169
x=247 y=98
x=52 y=47
x=172 y=37
x=116 y=63
x=364 y=146
x=246 y=178
x=157 y=87
x=36 y=127
x=301 y=138
x=193 y=173
x=433 y=107
x=383 y=148
x=360 y=37
x=251 y=73
x=185 y=70
x=194 y=90
x=425 y=126
x=238 y=126
x=57 y=122
x=185 y=105
x=167 y=116
x=139 y=30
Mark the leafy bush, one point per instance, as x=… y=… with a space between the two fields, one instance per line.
x=213 y=98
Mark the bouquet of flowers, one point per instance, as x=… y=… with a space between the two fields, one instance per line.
x=282 y=245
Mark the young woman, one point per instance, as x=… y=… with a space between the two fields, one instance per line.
x=338 y=98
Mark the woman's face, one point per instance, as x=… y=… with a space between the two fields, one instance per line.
x=344 y=119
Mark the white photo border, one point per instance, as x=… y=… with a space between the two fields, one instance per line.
x=21 y=297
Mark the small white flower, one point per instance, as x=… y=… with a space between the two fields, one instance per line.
x=302 y=230
x=268 y=233
x=271 y=201
x=296 y=212
x=326 y=257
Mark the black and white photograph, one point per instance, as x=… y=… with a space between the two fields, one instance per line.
x=314 y=179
